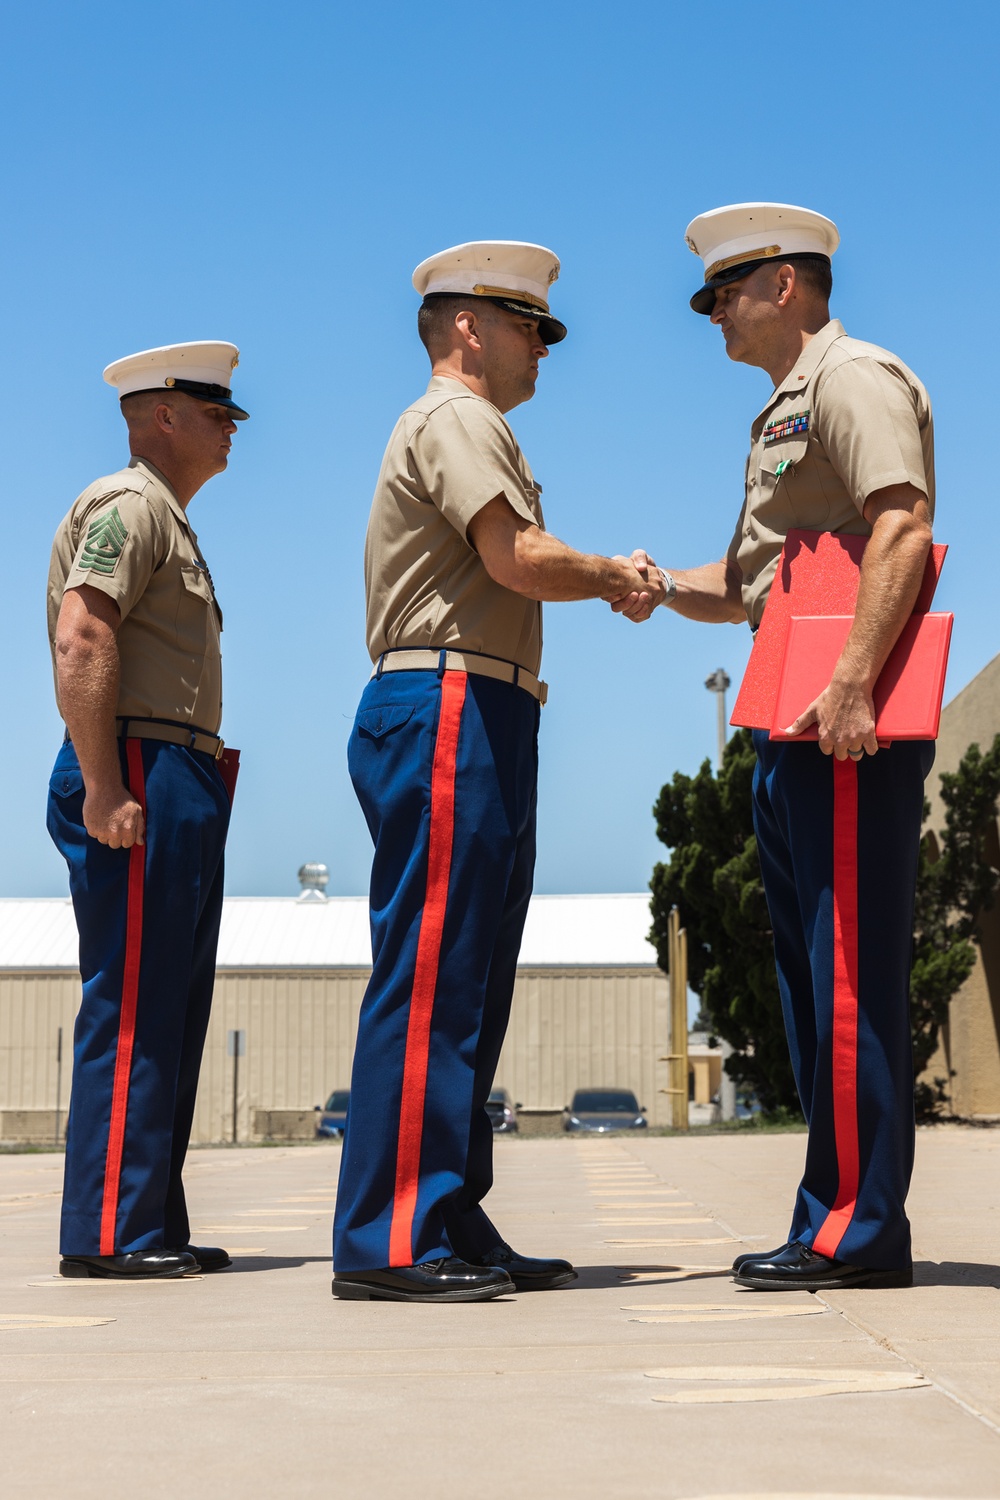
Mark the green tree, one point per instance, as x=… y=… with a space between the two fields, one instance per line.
x=957 y=882
x=713 y=878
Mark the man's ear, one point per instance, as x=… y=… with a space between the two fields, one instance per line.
x=467 y=324
x=785 y=284
x=163 y=416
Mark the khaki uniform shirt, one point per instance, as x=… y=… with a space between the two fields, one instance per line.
x=450 y=453
x=128 y=536
x=848 y=420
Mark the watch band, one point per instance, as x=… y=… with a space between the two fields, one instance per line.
x=671 y=583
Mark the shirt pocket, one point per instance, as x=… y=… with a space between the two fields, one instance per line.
x=196 y=582
x=781 y=477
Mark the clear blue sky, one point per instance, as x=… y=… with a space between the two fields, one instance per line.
x=271 y=175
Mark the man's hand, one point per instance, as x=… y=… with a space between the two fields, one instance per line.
x=639 y=605
x=112 y=816
x=845 y=717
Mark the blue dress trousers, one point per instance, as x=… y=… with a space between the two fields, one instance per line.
x=148 y=919
x=445 y=768
x=839 y=845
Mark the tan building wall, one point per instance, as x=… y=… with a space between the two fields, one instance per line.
x=569 y=1028
x=970 y=1041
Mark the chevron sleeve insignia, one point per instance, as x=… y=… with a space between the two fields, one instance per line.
x=105 y=539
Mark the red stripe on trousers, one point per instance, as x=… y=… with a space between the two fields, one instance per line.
x=418 y=1030
x=845 y=1004
x=126 y=1020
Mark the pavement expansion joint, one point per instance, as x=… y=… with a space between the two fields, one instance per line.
x=777 y=1383
x=91 y=1283
x=718 y=1312
x=10 y=1322
x=727 y=1239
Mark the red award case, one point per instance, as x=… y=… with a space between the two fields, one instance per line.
x=808 y=616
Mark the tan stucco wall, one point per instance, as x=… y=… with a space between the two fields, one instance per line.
x=569 y=1028
x=970 y=1041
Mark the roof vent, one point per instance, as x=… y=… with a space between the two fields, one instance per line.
x=314 y=880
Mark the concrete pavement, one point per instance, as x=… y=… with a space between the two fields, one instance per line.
x=651 y=1376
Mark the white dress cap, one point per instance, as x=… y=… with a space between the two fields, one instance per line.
x=204 y=370
x=510 y=272
x=733 y=240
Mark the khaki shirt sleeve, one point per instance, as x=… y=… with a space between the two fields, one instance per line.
x=464 y=457
x=120 y=545
x=868 y=426
x=733 y=550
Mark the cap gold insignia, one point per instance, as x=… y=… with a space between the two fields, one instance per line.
x=169 y=381
x=737 y=260
x=236 y=360
x=504 y=291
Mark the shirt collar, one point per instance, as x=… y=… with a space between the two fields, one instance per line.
x=807 y=363
x=450 y=383
x=163 y=483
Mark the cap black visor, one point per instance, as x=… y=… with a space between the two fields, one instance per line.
x=218 y=395
x=551 y=330
x=703 y=300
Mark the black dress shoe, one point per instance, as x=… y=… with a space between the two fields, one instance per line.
x=748 y=1255
x=796 y=1268
x=135 y=1265
x=528 y=1274
x=209 y=1257
x=448 y=1280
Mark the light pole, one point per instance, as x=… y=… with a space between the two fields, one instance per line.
x=718 y=683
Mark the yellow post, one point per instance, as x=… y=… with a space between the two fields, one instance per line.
x=678 y=1056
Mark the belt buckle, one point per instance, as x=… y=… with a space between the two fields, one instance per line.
x=219 y=750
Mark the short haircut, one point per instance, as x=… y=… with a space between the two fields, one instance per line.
x=138 y=406
x=438 y=313
x=816 y=274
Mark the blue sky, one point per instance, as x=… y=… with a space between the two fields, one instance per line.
x=271 y=175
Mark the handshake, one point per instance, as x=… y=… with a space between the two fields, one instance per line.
x=644 y=587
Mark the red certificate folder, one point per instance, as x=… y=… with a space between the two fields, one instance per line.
x=909 y=690
x=229 y=769
x=817 y=574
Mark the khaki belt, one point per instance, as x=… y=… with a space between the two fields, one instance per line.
x=173 y=734
x=462 y=661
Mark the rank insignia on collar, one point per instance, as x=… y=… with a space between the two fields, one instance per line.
x=785 y=427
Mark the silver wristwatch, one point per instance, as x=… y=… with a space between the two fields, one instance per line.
x=671 y=583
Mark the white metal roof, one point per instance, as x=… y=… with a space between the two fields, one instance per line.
x=285 y=932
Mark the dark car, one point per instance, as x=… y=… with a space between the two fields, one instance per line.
x=502 y=1111
x=601 y=1110
x=333 y=1115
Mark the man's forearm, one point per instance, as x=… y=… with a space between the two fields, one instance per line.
x=87 y=673
x=547 y=569
x=891 y=572
x=711 y=594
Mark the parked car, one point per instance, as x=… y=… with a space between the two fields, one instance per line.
x=333 y=1114
x=601 y=1110
x=502 y=1111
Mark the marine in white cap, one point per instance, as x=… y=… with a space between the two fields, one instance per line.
x=443 y=758
x=843 y=444
x=139 y=808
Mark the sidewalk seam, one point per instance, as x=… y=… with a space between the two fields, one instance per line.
x=936 y=1384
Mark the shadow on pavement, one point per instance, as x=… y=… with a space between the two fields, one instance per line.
x=593 y=1278
x=274 y=1262
x=955 y=1273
